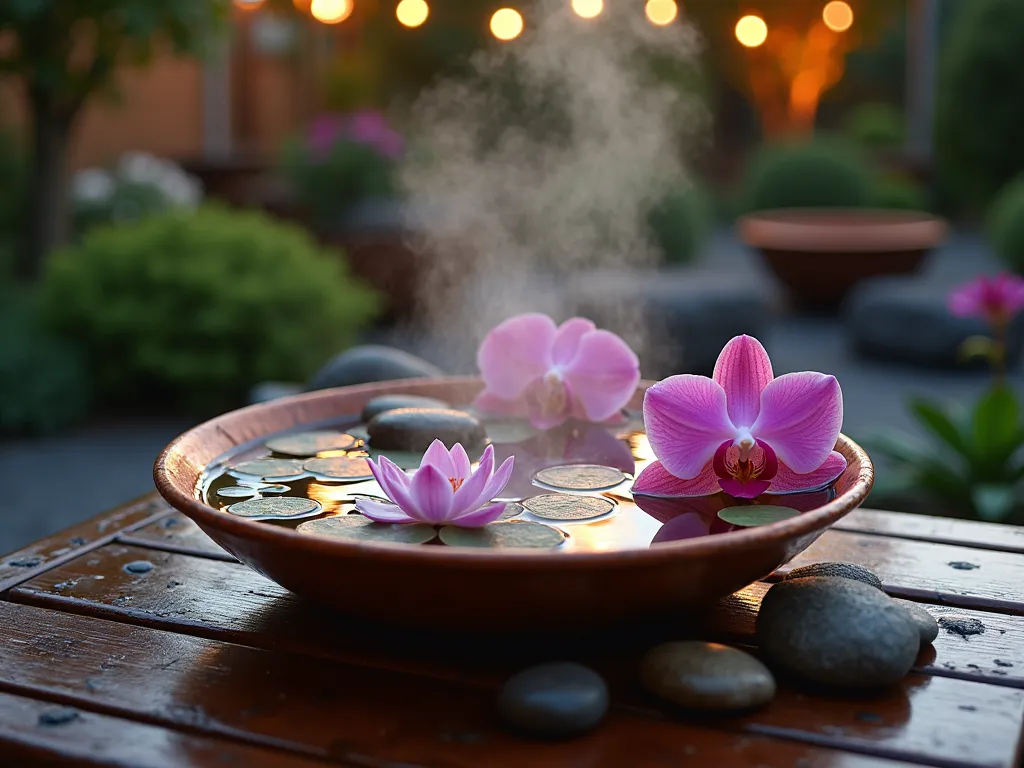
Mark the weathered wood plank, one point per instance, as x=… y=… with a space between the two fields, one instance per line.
x=941 y=530
x=370 y=717
x=176 y=533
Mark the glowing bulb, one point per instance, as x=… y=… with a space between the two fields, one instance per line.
x=751 y=31
x=588 y=9
x=331 y=11
x=412 y=13
x=838 y=16
x=506 y=24
x=661 y=12
x=249 y=5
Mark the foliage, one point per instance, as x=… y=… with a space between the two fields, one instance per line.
x=12 y=191
x=979 y=118
x=898 y=192
x=679 y=224
x=973 y=462
x=192 y=309
x=1006 y=224
x=875 y=126
x=818 y=174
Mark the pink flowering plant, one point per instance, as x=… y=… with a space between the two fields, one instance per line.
x=445 y=490
x=743 y=431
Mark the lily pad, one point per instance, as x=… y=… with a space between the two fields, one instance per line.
x=569 y=507
x=750 y=516
x=580 y=477
x=311 y=443
x=270 y=469
x=512 y=510
x=238 y=492
x=516 y=534
x=279 y=508
x=404 y=459
x=340 y=469
x=274 y=489
x=359 y=528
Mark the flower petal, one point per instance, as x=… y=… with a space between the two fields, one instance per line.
x=655 y=480
x=380 y=512
x=479 y=517
x=788 y=481
x=432 y=495
x=437 y=456
x=744 y=370
x=968 y=300
x=686 y=420
x=801 y=415
x=603 y=375
x=739 y=489
x=460 y=462
x=500 y=479
x=396 y=485
x=567 y=339
x=470 y=495
x=515 y=353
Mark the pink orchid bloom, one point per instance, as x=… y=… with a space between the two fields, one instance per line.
x=443 y=491
x=553 y=373
x=742 y=431
x=997 y=299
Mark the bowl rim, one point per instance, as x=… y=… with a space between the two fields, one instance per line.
x=778 y=533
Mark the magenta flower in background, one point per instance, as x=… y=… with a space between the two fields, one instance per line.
x=549 y=373
x=997 y=299
x=367 y=127
x=443 y=491
x=743 y=431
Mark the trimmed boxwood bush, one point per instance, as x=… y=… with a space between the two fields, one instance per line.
x=1006 y=224
x=191 y=309
x=679 y=225
x=898 y=192
x=875 y=126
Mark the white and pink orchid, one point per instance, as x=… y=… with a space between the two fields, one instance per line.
x=549 y=373
x=443 y=491
x=743 y=431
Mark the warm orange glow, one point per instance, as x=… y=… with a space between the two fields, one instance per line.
x=506 y=24
x=838 y=16
x=751 y=31
x=249 y=5
x=588 y=9
x=412 y=13
x=661 y=12
x=301 y=5
x=331 y=11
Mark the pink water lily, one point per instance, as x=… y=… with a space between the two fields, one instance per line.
x=997 y=299
x=549 y=373
x=443 y=491
x=743 y=431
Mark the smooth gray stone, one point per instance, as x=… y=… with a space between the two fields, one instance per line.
x=361 y=365
x=266 y=391
x=414 y=429
x=840 y=570
x=925 y=622
x=385 y=403
x=707 y=677
x=557 y=700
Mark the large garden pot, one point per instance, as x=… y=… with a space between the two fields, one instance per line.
x=819 y=254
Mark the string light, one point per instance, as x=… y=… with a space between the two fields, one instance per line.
x=331 y=11
x=661 y=13
x=838 y=16
x=751 y=31
x=588 y=9
x=506 y=24
x=412 y=13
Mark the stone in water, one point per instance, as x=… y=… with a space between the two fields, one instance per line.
x=840 y=570
x=567 y=507
x=278 y=508
x=386 y=403
x=580 y=477
x=311 y=443
x=925 y=622
x=515 y=534
x=414 y=429
x=404 y=459
x=558 y=700
x=270 y=469
x=756 y=514
x=359 y=528
x=707 y=677
x=344 y=469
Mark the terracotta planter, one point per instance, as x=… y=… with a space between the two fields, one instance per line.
x=452 y=587
x=820 y=254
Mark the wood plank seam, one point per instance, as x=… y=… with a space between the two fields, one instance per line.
x=863 y=531
x=225 y=557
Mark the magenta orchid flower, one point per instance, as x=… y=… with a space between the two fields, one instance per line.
x=997 y=299
x=743 y=431
x=443 y=491
x=367 y=127
x=549 y=373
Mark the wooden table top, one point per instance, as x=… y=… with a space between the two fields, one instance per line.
x=200 y=661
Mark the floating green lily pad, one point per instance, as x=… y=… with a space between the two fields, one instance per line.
x=311 y=443
x=278 y=508
x=359 y=528
x=516 y=534
x=750 y=516
x=270 y=469
x=512 y=509
x=404 y=459
x=580 y=477
x=568 y=507
x=238 y=492
x=340 y=469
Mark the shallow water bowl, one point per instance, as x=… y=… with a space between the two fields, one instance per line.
x=453 y=587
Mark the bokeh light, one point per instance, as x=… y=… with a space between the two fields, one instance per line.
x=661 y=12
x=331 y=11
x=249 y=5
x=412 y=13
x=751 y=31
x=506 y=24
x=301 y=5
x=838 y=16
x=588 y=9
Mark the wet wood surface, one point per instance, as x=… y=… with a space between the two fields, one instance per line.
x=144 y=644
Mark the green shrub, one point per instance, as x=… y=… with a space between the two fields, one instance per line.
x=192 y=309
x=1006 y=224
x=679 y=225
x=898 y=192
x=875 y=126
x=979 y=116
x=816 y=174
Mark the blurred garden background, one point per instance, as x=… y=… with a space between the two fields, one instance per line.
x=208 y=203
